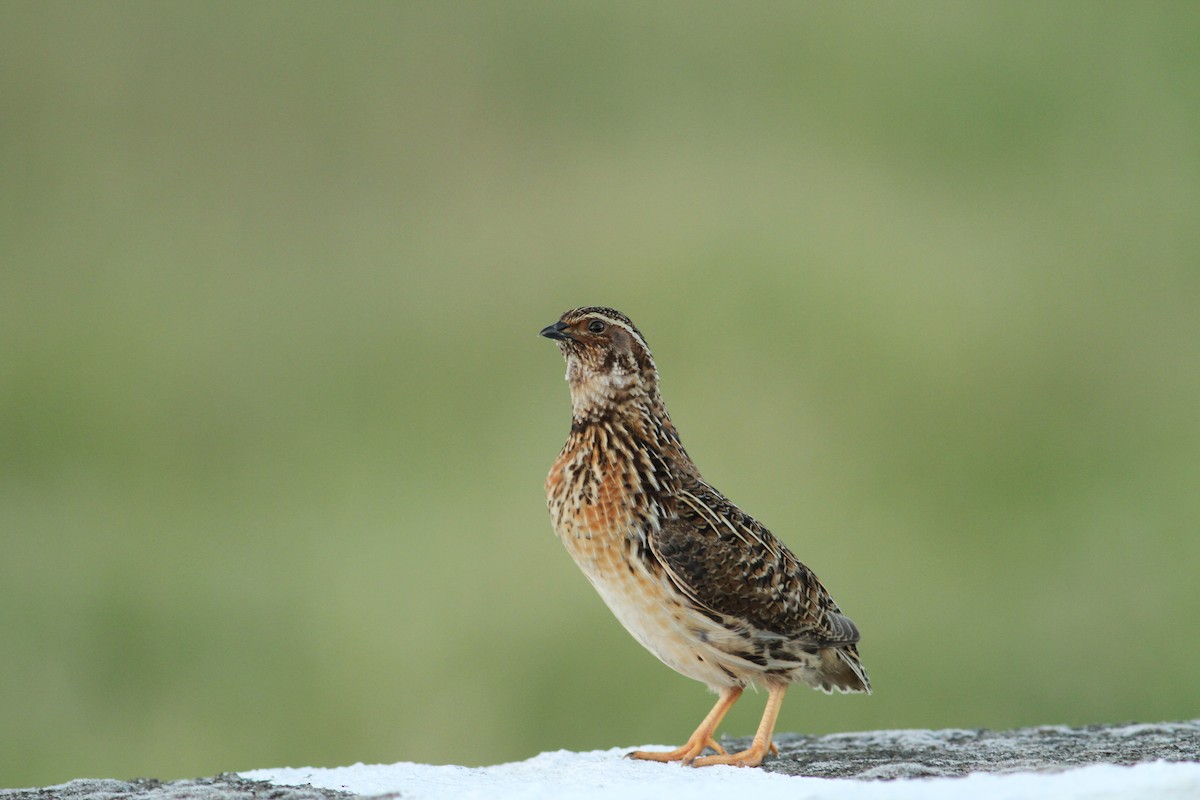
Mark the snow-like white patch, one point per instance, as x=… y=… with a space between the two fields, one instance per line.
x=607 y=774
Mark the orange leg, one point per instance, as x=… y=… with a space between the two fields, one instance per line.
x=762 y=743
x=703 y=737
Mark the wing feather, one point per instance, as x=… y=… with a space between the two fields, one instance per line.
x=728 y=564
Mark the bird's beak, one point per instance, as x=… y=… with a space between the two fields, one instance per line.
x=557 y=331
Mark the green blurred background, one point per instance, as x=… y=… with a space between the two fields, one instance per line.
x=922 y=280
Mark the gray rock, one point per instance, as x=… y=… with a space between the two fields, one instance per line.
x=227 y=786
x=876 y=755
x=885 y=755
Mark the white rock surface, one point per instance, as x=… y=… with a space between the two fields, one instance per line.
x=1129 y=761
x=1159 y=761
x=565 y=775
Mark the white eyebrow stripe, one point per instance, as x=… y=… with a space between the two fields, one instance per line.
x=620 y=323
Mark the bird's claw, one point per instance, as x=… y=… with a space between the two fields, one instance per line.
x=751 y=757
x=685 y=755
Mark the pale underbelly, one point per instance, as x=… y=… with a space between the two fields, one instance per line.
x=659 y=617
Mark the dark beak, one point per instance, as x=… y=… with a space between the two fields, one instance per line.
x=557 y=331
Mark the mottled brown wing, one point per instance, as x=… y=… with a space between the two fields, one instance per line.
x=729 y=564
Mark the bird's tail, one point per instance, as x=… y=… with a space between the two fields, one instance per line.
x=841 y=669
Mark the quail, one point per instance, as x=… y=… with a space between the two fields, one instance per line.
x=698 y=582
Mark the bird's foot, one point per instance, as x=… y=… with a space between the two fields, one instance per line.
x=686 y=754
x=751 y=757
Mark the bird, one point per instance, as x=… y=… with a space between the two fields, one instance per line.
x=697 y=581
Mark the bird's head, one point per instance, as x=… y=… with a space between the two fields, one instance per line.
x=608 y=360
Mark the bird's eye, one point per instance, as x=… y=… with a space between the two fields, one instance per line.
x=596 y=326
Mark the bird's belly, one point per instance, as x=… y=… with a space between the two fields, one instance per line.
x=656 y=614
x=604 y=529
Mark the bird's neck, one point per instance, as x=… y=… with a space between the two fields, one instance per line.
x=630 y=410
x=610 y=394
